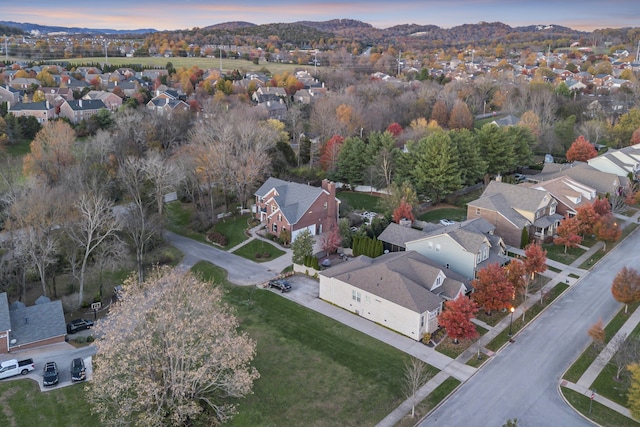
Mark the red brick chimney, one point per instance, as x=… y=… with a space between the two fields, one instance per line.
x=332 y=204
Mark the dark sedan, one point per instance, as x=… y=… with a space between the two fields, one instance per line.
x=78 y=325
x=281 y=284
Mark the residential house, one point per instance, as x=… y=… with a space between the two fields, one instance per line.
x=402 y=291
x=285 y=205
x=42 y=111
x=570 y=194
x=603 y=182
x=512 y=208
x=620 y=162
x=57 y=95
x=10 y=95
x=273 y=109
x=166 y=106
x=268 y=93
x=128 y=87
x=464 y=248
x=111 y=100
x=506 y=121
x=81 y=109
x=29 y=327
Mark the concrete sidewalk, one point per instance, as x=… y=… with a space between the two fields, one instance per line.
x=602 y=400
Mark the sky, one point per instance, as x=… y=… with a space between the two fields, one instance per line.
x=585 y=15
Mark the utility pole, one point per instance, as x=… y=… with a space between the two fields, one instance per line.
x=220 y=60
x=6 y=48
x=315 y=63
x=399 y=56
x=106 y=56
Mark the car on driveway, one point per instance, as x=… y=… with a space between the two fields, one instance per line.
x=281 y=284
x=50 y=374
x=445 y=221
x=78 y=325
x=78 y=371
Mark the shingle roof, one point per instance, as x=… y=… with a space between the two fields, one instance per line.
x=603 y=182
x=403 y=278
x=5 y=320
x=37 y=323
x=398 y=235
x=32 y=106
x=293 y=199
x=86 y=104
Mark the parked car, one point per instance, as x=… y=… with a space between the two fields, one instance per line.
x=12 y=367
x=50 y=374
x=518 y=177
x=78 y=325
x=281 y=284
x=445 y=221
x=78 y=371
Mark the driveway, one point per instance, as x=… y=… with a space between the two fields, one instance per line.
x=304 y=289
x=522 y=380
x=241 y=271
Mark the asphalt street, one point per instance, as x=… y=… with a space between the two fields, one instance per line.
x=522 y=380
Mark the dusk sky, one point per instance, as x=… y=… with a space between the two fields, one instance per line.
x=185 y=14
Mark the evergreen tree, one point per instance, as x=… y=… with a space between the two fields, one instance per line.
x=470 y=163
x=302 y=246
x=497 y=150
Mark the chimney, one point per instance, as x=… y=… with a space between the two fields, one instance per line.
x=47 y=105
x=80 y=102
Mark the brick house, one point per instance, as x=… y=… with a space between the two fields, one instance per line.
x=512 y=208
x=29 y=327
x=284 y=205
x=42 y=111
x=79 y=109
x=10 y=95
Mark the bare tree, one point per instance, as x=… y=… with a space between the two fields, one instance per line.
x=170 y=354
x=164 y=175
x=415 y=376
x=91 y=223
x=627 y=351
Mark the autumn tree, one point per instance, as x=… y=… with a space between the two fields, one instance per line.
x=531 y=121
x=492 y=290
x=404 y=211
x=607 y=230
x=597 y=333
x=398 y=193
x=626 y=286
x=170 y=354
x=587 y=219
x=51 y=151
x=602 y=207
x=440 y=113
x=460 y=117
x=329 y=158
x=456 y=318
x=516 y=275
x=581 y=150
x=535 y=262
x=568 y=233
x=331 y=241
x=395 y=129
x=626 y=350
x=633 y=393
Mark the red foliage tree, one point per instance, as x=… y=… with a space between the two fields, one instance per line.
x=332 y=241
x=607 y=230
x=404 y=211
x=602 y=207
x=395 y=129
x=587 y=218
x=581 y=150
x=492 y=290
x=535 y=261
x=456 y=318
x=516 y=275
x=635 y=137
x=329 y=158
x=626 y=286
x=568 y=233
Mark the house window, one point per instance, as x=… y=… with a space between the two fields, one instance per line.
x=447 y=266
x=421 y=321
x=438 y=281
x=366 y=299
x=279 y=217
x=437 y=247
x=552 y=209
x=432 y=314
x=274 y=228
x=477 y=211
x=273 y=208
x=326 y=205
x=355 y=295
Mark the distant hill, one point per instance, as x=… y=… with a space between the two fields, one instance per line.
x=46 y=29
x=234 y=25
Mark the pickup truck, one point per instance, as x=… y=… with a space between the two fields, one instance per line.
x=12 y=367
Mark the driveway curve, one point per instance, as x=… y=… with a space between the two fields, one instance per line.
x=522 y=380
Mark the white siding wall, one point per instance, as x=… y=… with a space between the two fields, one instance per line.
x=449 y=252
x=374 y=308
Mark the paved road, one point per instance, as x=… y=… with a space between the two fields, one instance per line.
x=241 y=270
x=521 y=381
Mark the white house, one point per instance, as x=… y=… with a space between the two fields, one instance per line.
x=619 y=162
x=403 y=291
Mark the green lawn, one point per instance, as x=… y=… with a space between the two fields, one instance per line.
x=599 y=413
x=556 y=253
x=259 y=251
x=179 y=221
x=23 y=404
x=233 y=228
x=435 y=215
x=359 y=201
x=20 y=148
x=312 y=368
x=431 y=401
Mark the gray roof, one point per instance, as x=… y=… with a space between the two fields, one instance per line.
x=293 y=199
x=38 y=322
x=87 y=104
x=398 y=235
x=602 y=182
x=32 y=106
x=5 y=320
x=404 y=278
x=507 y=121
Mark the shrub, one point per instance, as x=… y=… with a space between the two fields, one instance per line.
x=80 y=340
x=90 y=338
x=217 y=238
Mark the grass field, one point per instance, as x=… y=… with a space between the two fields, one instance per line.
x=24 y=405
x=435 y=397
x=233 y=228
x=435 y=215
x=599 y=413
x=202 y=63
x=312 y=368
x=556 y=253
x=359 y=201
x=255 y=247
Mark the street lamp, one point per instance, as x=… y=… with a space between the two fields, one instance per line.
x=511 y=322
